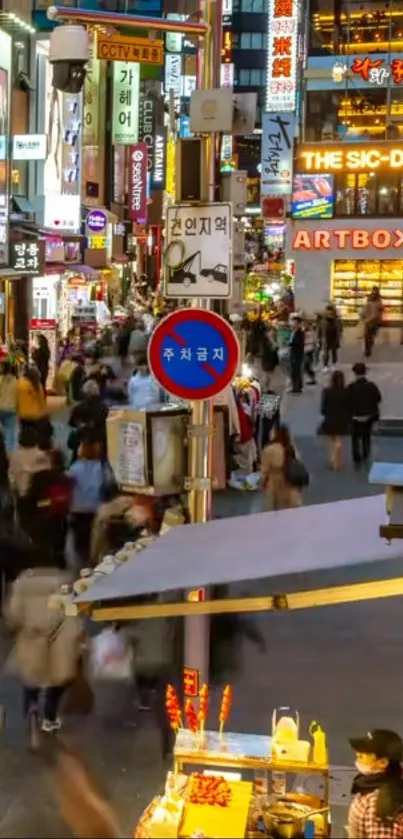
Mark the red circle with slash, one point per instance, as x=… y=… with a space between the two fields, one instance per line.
x=219 y=379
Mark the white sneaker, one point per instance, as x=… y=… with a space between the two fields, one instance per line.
x=51 y=725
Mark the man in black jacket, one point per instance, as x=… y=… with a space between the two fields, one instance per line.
x=297 y=352
x=364 y=399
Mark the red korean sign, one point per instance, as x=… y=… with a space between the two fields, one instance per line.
x=282 y=55
x=377 y=70
x=138 y=182
x=190 y=679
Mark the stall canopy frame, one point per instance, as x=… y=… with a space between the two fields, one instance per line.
x=321 y=538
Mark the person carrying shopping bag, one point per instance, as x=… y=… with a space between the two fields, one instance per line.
x=48 y=643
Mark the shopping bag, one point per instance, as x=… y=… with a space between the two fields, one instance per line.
x=112 y=656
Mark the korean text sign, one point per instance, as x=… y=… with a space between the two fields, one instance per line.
x=27 y=257
x=91 y=103
x=123 y=48
x=282 y=55
x=277 y=153
x=193 y=354
x=138 y=182
x=198 y=251
x=126 y=91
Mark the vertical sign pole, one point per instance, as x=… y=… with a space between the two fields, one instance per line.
x=197 y=629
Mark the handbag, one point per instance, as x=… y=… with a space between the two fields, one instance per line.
x=295 y=473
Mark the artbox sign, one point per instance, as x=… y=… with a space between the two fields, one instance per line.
x=29 y=146
x=277 y=153
x=282 y=55
x=138 y=182
x=345 y=239
x=126 y=92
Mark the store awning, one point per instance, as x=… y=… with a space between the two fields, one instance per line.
x=310 y=541
x=21 y=205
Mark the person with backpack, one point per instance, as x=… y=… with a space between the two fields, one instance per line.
x=49 y=498
x=283 y=476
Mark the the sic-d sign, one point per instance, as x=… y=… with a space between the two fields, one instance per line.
x=357 y=239
x=138 y=182
x=349 y=158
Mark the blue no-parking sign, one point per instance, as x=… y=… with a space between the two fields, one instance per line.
x=194 y=354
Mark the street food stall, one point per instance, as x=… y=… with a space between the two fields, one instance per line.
x=213 y=800
x=283 y=572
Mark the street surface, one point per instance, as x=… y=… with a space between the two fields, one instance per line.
x=338 y=665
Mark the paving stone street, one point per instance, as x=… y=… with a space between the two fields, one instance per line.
x=340 y=665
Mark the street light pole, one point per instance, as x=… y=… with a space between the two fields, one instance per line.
x=197 y=629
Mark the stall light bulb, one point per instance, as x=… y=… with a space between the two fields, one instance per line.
x=246 y=371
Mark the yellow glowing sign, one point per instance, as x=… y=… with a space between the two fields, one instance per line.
x=350 y=159
x=97 y=243
x=170 y=168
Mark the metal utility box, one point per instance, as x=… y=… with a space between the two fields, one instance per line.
x=233 y=189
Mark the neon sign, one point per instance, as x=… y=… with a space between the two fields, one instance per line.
x=357 y=239
x=377 y=71
x=282 y=55
x=355 y=159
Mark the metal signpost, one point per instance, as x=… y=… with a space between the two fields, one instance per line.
x=198 y=251
x=193 y=354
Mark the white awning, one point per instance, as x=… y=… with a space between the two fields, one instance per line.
x=310 y=539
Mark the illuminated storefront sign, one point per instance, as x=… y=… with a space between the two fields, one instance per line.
x=123 y=48
x=377 y=71
x=277 y=153
x=62 y=212
x=27 y=257
x=344 y=239
x=226 y=51
x=91 y=103
x=227 y=75
x=125 y=115
x=138 y=183
x=349 y=159
x=152 y=133
x=282 y=48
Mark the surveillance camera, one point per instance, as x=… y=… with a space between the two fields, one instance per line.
x=69 y=54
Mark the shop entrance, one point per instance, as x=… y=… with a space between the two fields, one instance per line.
x=353 y=279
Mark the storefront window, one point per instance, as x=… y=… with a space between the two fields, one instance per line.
x=369 y=194
x=353 y=280
x=351 y=113
x=366 y=194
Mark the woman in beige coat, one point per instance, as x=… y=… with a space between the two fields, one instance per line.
x=48 y=642
x=278 y=495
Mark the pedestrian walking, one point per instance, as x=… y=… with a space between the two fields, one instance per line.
x=372 y=317
x=31 y=399
x=49 y=499
x=331 y=336
x=376 y=811
x=8 y=403
x=48 y=642
x=41 y=358
x=25 y=460
x=336 y=420
x=278 y=494
x=83 y=806
x=88 y=416
x=297 y=343
x=143 y=390
x=364 y=400
x=309 y=352
x=88 y=474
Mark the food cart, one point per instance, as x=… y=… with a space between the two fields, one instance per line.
x=253 y=801
x=280 y=565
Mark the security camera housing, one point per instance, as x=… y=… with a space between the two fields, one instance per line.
x=69 y=54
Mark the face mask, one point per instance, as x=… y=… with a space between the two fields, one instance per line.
x=364 y=769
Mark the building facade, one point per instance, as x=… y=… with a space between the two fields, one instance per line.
x=344 y=233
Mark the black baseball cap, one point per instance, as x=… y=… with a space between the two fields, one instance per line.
x=380 y=742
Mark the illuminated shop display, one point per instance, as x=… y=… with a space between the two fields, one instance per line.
x=282 y=55
x=312 y=196
x=353 y=280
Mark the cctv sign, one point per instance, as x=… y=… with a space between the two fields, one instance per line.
x=138 y=182
x=29 y=147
